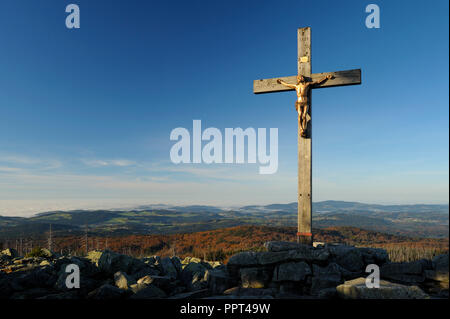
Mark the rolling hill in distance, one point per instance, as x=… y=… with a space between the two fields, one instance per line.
x=430 y=221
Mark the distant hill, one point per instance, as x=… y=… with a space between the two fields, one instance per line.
x=407 y=220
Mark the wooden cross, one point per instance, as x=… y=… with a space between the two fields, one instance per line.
x=340 y=78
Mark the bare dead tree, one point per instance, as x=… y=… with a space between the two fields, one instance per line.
x=50 y=239
x=86 y=238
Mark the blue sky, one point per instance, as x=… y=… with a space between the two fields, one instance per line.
x=86 y=114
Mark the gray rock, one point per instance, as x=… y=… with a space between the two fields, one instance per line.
x=374 y=256
x=151 y=261
x=189 y=260
x=176 y=262
x=270 y=258
x=10 y=252
x=440 y=267
x=45 y=263
x=149 y=292
x=436 y=276
x=293 y=271
x=357 y=289
x=159 y=281
x=255 y=277
x=309 y=254
x=218 y=280
x=319 y=284
x=36 y=278
x=318 y=244
x=123 y=281
x=111 y=262
x=107 y=291
x=347 y=257
x=147 y=270
x=301 y=253
x=276 y=246
x=326 y=278
x=332 y=271
x=168 y=269
x=47 y=253
x=135 y=288
x=87 y=270
x=215 y=264
x=410 y=272
x=193 y=276
x=244 y=259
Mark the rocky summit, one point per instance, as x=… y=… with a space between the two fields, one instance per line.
x=284 y=270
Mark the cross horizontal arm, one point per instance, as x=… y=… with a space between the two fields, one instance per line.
x=340 y=78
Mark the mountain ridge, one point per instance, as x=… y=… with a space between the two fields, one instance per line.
x=411 y=220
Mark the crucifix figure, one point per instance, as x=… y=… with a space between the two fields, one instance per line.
x=301 y=105
x=305 y=81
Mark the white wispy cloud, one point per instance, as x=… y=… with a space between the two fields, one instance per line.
x=9 y=169
x=108 y=162
x=30 y=162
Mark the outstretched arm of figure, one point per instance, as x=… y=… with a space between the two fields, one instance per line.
x=292 y=86
x=328 y=77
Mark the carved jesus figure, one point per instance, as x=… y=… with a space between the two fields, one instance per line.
x=301 y=105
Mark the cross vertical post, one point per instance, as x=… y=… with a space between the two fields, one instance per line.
x=304 y=233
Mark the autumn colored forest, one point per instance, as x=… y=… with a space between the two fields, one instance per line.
x=222 y=243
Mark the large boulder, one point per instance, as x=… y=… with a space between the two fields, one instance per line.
x=176 y=262
x=111 y=262
x=377 y=256
x=438 y=277
x=46 y=253
x=332 y=271
x=152 y=260
x=408 y=272
x=9 y=252
x=244 y=259
x=301 y=253
x=357 y=289
x=276 y=246
x=193 y=276
x=146 y=270
x=321 y=286
x=255 y=277
x=162 y=282
x=35 y=278
x=347 y=257
x=326 y=279
x=168 y=269
x=188 y=260
x=123 y=281
x=293 y=271
x=440 y=269
x=218 y=280
x=87 y=271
